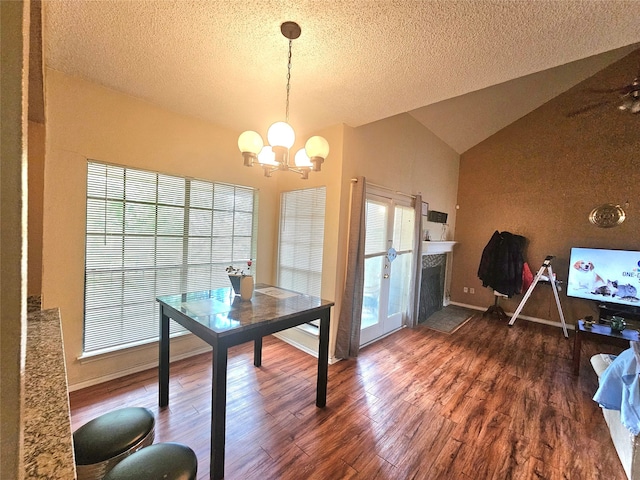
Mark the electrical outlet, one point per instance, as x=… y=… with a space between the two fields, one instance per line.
x=465 y=289
x=472 y=290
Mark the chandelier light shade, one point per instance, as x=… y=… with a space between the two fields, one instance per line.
x=302 y=159
x=317 y=149
x=250 y=144
x=266 y=156
x=281 y=136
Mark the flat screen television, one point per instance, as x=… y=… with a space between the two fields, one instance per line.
x=611 y=277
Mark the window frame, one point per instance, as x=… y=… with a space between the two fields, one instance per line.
x=313 y=231
x=194 y=260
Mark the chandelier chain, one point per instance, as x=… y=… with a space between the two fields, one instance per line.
x=276 y=156
x=288 y=82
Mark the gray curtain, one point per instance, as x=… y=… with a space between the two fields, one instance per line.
x=348 y=340
x=414 y=303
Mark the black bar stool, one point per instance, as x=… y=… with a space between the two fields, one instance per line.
x=105 y=441
x=161 y=461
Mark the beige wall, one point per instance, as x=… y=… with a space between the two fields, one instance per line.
x=36 y=190
x=330 y=177
x=540 y=177
x=398 y=153
x=401 y=154
x=14 y=28
x=87 y=121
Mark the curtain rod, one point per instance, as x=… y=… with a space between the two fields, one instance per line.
x=355 y=180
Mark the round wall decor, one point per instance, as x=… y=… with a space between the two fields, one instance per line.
x=607 y=215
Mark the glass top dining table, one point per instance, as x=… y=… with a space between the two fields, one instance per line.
x=223 y=320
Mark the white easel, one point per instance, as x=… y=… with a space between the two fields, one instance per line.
x=546 y=265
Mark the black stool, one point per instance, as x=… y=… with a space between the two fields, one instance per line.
x=161 y=461
x=105 y=441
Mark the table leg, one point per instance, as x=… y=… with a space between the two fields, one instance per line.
x=163 y=362
x=257 y=352
x=218 y=411
x=577 y=345
x=323 y=359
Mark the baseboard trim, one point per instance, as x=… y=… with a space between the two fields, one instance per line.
x=304 y=348
x=136 y=369
x=383 y=336
x=520 y=317
x=192 y=353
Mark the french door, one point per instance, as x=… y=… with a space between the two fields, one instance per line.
x=387 y=265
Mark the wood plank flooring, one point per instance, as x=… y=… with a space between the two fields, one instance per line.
x=488 y=402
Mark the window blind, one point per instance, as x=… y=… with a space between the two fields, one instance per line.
x=301 y=240
x=150 y=234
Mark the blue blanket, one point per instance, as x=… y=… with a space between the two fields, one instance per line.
x=620 y=390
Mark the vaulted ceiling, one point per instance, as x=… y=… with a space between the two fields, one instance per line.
x=464 y=69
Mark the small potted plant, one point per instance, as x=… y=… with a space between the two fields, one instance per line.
x=241 y=282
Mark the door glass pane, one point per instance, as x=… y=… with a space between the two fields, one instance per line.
x=376 y=225
x=386 y=290
x=371 y=291
x=399 y=286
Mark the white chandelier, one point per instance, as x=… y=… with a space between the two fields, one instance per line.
x=281 y=136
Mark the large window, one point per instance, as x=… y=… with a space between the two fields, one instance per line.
x=150 y=234
x=301 y=240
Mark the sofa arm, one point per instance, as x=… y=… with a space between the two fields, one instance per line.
x=600 y=362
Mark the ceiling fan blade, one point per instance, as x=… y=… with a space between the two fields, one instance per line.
x=631 y=104
x=588 y=108
x=621 y=90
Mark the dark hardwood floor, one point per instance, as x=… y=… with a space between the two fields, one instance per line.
x=488 y=402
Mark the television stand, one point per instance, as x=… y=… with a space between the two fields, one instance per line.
x=600 y=334
x=608 y=310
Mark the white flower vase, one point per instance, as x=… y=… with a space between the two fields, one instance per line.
x=246 y=287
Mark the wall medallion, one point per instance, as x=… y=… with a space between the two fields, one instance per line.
x=607 y=215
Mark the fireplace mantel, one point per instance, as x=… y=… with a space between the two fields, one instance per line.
x=435 y=248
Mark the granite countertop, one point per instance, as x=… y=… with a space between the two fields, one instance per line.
x=48 y=447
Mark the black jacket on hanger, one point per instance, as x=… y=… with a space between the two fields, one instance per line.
x=501 y=263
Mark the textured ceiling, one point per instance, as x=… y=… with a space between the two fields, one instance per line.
x=468 y=119
x=356 y=61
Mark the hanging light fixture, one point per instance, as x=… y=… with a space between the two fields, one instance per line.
x=276 y=155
